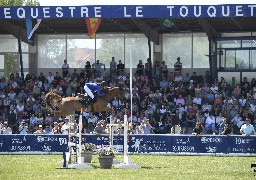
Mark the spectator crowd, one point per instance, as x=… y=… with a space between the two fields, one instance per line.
x=164 y=101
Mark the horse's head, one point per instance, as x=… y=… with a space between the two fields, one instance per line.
x=52 y=99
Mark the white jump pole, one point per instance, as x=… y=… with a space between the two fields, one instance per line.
x=80 y=162
x=127 y=161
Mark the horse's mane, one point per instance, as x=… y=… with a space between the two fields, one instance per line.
x=49 y=97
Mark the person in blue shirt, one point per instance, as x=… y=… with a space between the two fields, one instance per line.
x=100 y=89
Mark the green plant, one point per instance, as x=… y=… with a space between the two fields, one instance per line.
x=105 y=151
x=88 y=147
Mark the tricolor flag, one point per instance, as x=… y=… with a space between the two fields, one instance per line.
x=92 y=26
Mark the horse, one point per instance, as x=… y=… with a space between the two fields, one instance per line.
x=66 y=106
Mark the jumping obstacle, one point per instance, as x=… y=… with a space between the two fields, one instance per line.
x=78 y=162
x=127 y=160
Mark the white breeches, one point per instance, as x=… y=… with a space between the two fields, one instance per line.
x=88 y=91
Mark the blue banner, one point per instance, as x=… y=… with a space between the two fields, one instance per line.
x=129 y=11
x=137 y=143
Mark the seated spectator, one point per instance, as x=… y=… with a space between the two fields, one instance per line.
x=191 y=118
x=237 y=122
x=198 y=130
x=146 y=127
x=247 y=129
x=98 y=129
x=210 y=123
x=23 y=129
x=40 y=130
x=210 y=97
x=6 y=129
x=226 y=130
x=178 y=78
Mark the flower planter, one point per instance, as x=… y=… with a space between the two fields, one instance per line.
x=87 y=156
x=106 y=162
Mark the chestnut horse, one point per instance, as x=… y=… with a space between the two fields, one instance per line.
x=67 y=106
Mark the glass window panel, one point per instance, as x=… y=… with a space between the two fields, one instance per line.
x=25 y=59
x=230 y=59
x=8 y=43
x=108 y=46
x=1 y=61
x=248 y=43
x=200 y=49
x=24 y=47
x=242 y=59
x=51 y=51
x=253 y=59
x=177 y=45
x=235 y=34
x=80 y=48
x=136 y=48
x=229 y=44
x=11 y=63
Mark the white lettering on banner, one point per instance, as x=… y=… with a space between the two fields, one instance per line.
x=40 y=139
x=252 y=9
x=211 y=149
x=243 y=141
x=183 y=148
x=32 y=12
x=138 y=12
x=181 y=11
x=97 y=11
x=1 y=144
x=59 y=12
x=20 y=148
x=21 y=13
x=16 y=140
x=195 y=11
x=118 y=148
x=210 y=139
x=239 y=11
x=46 y=148
x=46 y=11
x=183 y=141
x=7 y=13
x=243 y=150
x=211 y=11
x=170 y=9
x=223 y=11
x=63 y=141
x=84 y=10
x=72 y=11
x=125 y=13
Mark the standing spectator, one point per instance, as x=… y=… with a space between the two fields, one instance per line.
x=140 y=68
x=177 y=66
x=247 y=129
x=148 y=68
x=120 y=67
x=41 y=77
x=97 y=66
x=65 y=68
x=112 y=67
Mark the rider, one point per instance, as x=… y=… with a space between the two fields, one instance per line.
x=99 y=87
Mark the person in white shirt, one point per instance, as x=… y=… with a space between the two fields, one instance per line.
x=65 y=127
x=50 y=78
x=23 y=129
x=237 y=120
x=65 y=68
x=197 y=100
x=6 y=129
x=247 y=129
x=178 y=78
x=210 y=123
